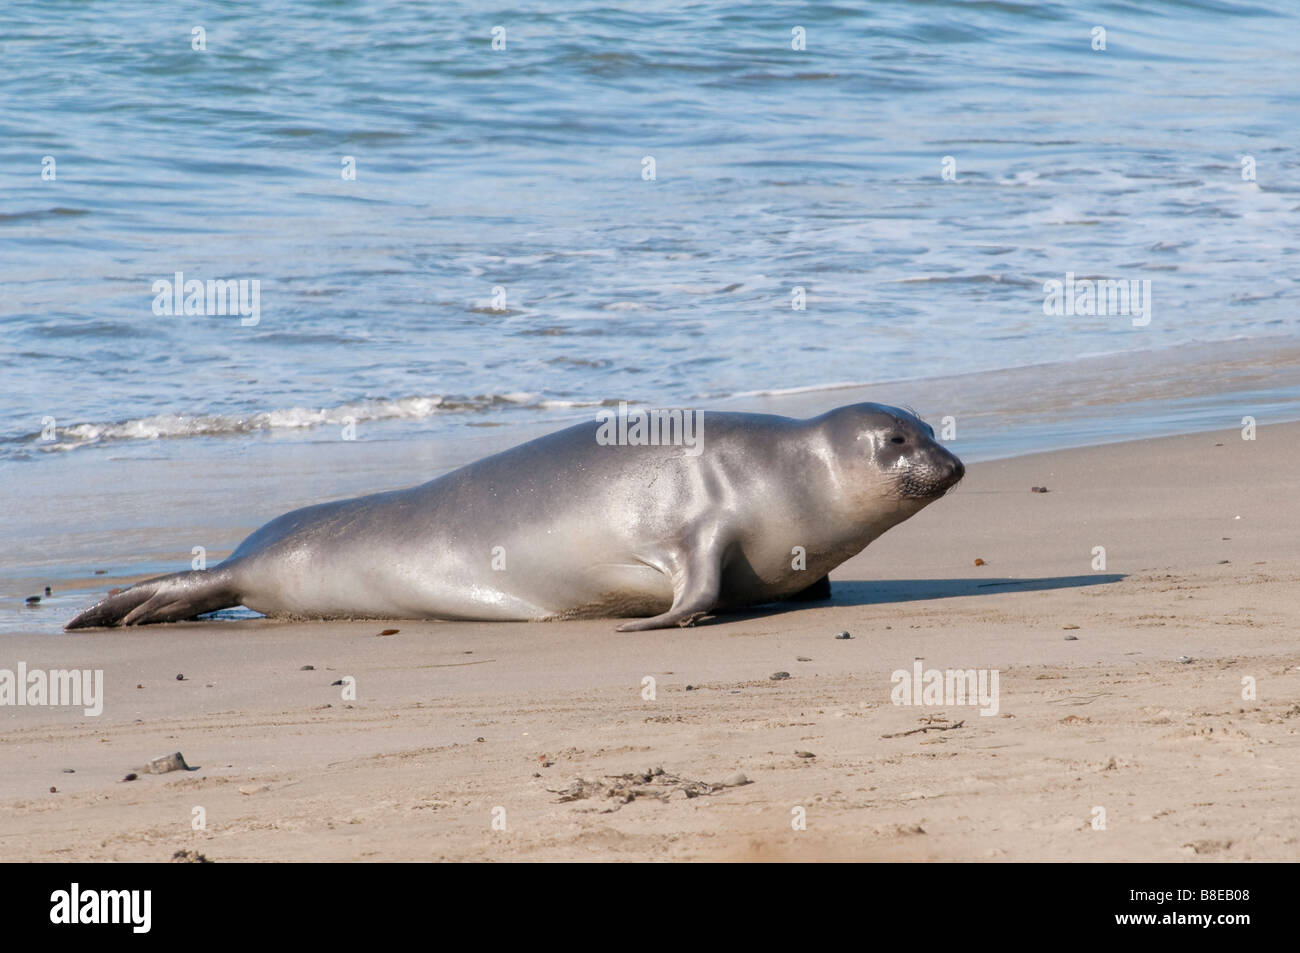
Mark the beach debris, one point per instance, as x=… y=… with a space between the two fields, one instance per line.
x=844 y=635
x=654 y=783
x=1185 y=659
x=802 y=658
x=339 y=682
x=933 y=726
x=480 y=739
x=33 y=600
x=1223 y=562
x=47 y=590
x=189 y=857
x=69 y=770
x=139 y=686
x=1038 y=489
x=101 y=572
x=1073 y=700
x=545 y=761
x=979 y=562
x=804 y=754
x=1072 y=638
x=307 y=668
x=390 y=632
x=180 y=677
x=131 y=777
x=53 y=789
x=690 y=688
x=254 y=788
x=167 y=763
x=779 y=676
x=1069 y=625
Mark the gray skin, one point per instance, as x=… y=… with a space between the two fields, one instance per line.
x=585 y=530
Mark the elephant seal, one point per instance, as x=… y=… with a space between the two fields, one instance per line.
x=566 y=526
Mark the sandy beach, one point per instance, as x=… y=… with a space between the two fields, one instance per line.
x=1121 y=731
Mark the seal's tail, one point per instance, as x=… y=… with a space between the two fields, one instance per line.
x=181 y=595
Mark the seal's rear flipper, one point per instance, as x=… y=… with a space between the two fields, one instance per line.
x=181 y=595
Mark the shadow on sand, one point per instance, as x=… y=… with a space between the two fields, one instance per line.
x=862 y=593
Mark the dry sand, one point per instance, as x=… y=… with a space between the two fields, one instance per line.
x=456 y=724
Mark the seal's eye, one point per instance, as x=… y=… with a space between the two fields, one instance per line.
x=897 y=439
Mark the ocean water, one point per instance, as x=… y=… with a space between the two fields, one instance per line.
x=523 y=170
x=504 y=255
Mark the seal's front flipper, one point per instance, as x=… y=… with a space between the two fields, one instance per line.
x=696 y=587
x=181 y=595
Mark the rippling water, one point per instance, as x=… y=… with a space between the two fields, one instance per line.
x=501 y=254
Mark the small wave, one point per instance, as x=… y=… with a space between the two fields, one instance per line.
x=162 y=426
x=558 y=404
x=111 y=330
x=806 y=389
x=42 y=213
x=964 y=279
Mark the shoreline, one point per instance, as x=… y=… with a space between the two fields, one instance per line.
x=1264 y=371
x=1201 y=566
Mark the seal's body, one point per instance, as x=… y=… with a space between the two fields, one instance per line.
x=567 y=527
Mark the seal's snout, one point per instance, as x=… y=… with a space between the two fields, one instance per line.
x=931 y=473
x=948 y=470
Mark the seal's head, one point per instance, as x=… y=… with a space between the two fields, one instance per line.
x=892 y=455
